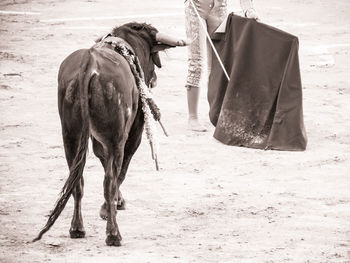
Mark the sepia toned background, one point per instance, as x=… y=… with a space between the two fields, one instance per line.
x=209 y=202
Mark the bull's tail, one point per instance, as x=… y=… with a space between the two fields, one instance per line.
x=77 y=167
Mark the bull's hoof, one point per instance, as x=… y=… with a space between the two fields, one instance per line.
x=113 y=241
x=103 y=211
x=77 y=233
x=121 y=205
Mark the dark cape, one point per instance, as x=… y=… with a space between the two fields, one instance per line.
x=261 y=106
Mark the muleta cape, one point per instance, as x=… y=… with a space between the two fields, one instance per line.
x=261 y=105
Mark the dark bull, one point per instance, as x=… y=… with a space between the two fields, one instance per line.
x=98 y=98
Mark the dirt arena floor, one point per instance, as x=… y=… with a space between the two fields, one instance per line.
x=209 y=202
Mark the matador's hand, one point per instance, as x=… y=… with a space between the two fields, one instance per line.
x=251 y=13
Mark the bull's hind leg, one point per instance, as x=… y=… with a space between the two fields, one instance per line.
x=99 y=152
x=119 y=200
x=71 y=144
x=113 y=167
x=131 y=145
x=77 y=227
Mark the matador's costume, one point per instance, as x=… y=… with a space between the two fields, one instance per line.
x=216 y=13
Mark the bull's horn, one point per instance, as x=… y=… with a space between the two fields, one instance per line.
x=170 y=40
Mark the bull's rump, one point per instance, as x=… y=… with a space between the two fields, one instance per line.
x=105 y=77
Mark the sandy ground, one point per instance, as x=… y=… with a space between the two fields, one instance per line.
x=209 y=202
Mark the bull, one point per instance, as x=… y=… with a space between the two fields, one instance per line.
x=98 y=98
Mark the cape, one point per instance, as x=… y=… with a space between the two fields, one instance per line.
x=261 y=106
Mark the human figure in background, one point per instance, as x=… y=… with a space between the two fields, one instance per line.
x=212 y=13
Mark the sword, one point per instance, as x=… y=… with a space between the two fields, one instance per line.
x=208 y=37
